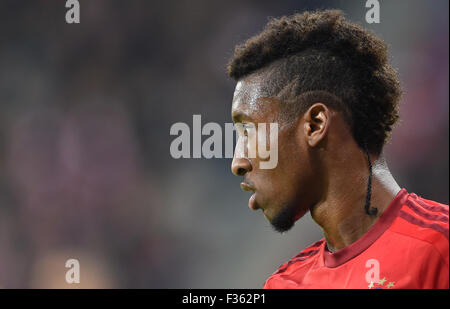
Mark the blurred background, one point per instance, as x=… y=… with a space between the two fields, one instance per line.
x=85 y=113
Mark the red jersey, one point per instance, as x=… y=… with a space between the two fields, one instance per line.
x=407 y=247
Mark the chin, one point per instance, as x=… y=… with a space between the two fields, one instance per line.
x=282 y=226
x=285 y=218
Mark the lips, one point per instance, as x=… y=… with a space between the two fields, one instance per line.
x=247 y=187
x=252 y=204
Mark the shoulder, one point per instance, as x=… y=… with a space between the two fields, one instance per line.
x=305 y=255
x=296 y=264
x=424 y=221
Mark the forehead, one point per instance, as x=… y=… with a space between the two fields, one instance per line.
x=252 y=99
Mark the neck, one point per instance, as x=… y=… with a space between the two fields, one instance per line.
x=341 y=213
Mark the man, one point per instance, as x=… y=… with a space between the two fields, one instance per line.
x=329 y=86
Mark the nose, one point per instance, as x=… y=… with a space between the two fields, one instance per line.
x=241 y=166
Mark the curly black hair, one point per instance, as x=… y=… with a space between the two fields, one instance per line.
x=321 y=56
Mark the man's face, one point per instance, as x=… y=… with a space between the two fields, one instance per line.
x=283 y=192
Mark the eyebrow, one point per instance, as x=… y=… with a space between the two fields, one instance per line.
x=239 y=117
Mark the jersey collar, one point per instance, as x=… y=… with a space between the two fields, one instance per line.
x=381 y=225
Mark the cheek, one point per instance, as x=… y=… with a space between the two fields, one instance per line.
x=288 y=176
x=283 y=181
x=286 y=179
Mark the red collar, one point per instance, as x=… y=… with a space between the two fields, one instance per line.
x=383 y=223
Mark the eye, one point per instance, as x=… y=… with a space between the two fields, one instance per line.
x=244 y=128
x=248 y=127
x=239 y=128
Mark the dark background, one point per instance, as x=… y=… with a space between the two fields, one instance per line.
x=85 y=113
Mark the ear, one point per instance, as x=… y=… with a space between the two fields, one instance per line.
x=316 y=122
